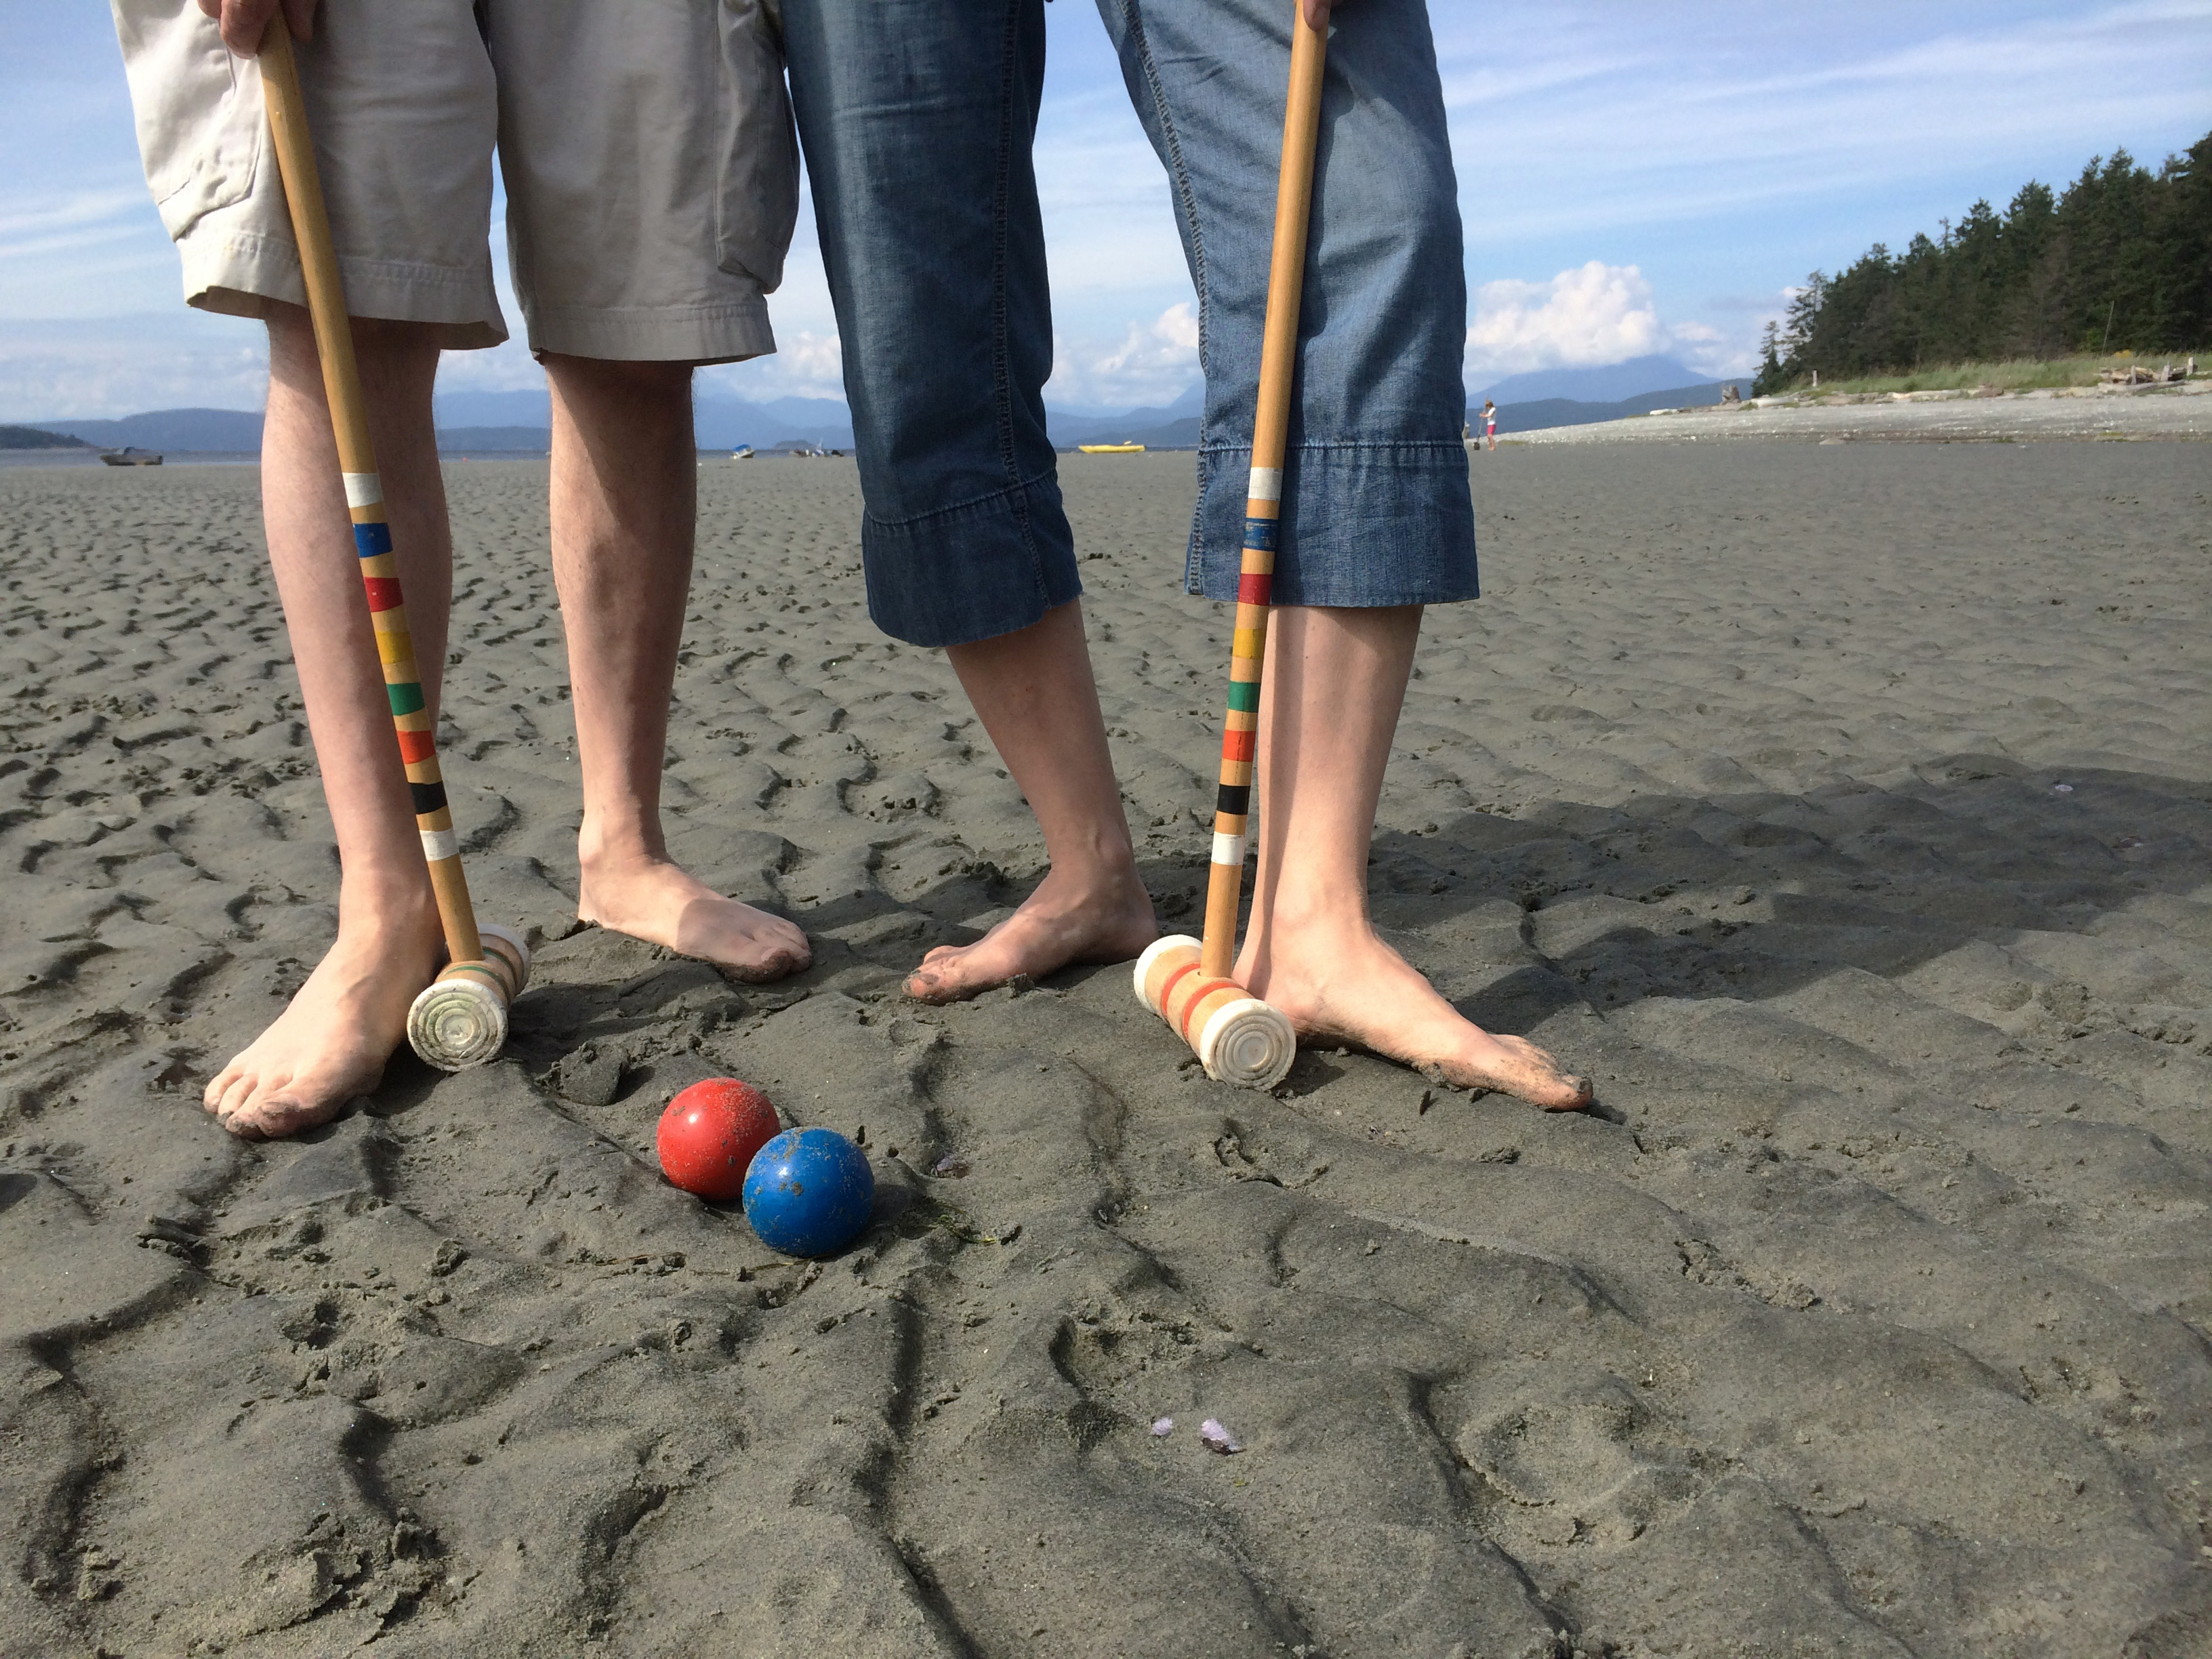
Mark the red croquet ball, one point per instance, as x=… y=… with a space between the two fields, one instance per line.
x=709 y=1133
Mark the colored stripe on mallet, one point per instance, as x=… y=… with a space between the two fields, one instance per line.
x=461 y=1019
x=1239 y=1038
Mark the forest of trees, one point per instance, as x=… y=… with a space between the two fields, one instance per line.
x=2120 y=260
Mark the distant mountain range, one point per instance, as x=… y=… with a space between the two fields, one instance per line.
x=720 y=422
x=227 y=431
x=485 y=422
x=1165 y=426
x=1607 y=384
x=1583 y=397
x=1538 y=413
x=474 y=422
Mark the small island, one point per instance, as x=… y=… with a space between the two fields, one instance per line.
x=30 y=437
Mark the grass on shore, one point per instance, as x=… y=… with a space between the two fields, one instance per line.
x=2021 y=374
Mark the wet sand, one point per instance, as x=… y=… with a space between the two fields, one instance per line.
x=1844 y=811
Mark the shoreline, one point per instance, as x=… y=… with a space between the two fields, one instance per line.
x=2178 y=413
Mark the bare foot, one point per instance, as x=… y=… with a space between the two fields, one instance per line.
x=331 y=1042
x=1064 y=920
x=1354 y=989
x=654 y=899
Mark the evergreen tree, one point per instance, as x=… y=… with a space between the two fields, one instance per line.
x=1770 y=360
x=2121 y=259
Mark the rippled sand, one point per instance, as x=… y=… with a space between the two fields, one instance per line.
x=1844 y=810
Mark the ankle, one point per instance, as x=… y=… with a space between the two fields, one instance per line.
x=1302 y=905
x=602 y=848
x=1101 y=863
x=385 y=916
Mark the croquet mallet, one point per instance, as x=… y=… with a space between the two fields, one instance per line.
x=460 y=1019
x=1238 y=1038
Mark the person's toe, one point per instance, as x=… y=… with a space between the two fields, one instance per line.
x=233 y=1099
x=239 y=1113
x=219 y=1086
x=1542 y=1081
x=924 y=986
x=781 y=965
x=284 y=1112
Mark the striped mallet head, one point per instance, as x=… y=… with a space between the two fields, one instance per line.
x=1237 y=1038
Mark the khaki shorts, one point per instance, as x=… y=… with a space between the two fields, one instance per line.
x=646 y=146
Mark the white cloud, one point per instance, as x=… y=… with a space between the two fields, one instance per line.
x=1594 y=313
x=1588 y=315
x=812 y=361
x=122 y=365
x=1153 y=363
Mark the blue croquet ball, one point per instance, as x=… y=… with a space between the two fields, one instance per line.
x=808 y=1191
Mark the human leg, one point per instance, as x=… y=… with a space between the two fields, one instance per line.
x=400 y=101
x=650 y=181
x=624 y=501
x=1376 y=519
x=934 y=249
x=1033 y=691
x=1336 y=680
x=332 y=1040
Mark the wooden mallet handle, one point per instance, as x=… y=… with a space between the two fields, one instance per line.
x=1247 y=651
x=372 y=533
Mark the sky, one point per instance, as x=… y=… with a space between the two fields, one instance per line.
x=1633 y=180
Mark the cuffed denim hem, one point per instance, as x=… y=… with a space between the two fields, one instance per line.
x=971 y=572
x=1364 y=525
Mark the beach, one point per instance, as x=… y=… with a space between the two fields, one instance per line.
x=1844 y=810
x=2104 y=413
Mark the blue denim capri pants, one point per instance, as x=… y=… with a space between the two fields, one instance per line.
x=917 y=118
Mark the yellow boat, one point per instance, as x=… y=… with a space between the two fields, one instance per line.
x=1111 y=449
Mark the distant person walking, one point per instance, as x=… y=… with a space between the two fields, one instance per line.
x=1490 y=423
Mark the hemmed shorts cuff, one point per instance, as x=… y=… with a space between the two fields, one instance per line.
x=238 y=274
x=727 y=331
x=1367 y=525
x=972 y=572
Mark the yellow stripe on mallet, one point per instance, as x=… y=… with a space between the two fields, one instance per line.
x=1238 y=1038
x=460 y=1020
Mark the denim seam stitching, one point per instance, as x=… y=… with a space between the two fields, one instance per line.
x=1001 y=367
x=1132 y=13
x=1019 y=489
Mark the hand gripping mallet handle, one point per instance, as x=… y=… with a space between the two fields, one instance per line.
x=1241 y=1039
x=460 y=1020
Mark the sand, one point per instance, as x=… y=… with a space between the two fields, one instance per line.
x=1844 y=810
x=2107 y=413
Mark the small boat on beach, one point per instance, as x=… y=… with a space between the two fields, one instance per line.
x=130 y=457
x=1111 y=449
